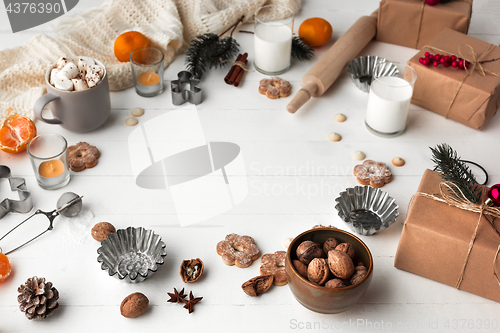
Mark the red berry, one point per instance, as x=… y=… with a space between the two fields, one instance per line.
x=447 y=64
x=441 y=60
x=437 y=56
x=427 y=54
x=420 y=59
x=425 y=62
x=435 y=63
x=453 y=57
x=454 y=64
x=447 y=58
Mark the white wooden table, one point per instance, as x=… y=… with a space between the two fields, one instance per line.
x=294 y=175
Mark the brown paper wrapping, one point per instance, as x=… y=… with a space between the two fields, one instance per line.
x=435 y=241
x=412 y=23
x=478 y=98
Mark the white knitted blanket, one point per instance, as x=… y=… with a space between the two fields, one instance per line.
x=169 y=24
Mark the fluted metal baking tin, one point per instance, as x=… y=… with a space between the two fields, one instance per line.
x=132 y=254
x=367 y=210
x=361 y=70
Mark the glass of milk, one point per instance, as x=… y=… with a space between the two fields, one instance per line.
x=389 y=101
x=272 y=40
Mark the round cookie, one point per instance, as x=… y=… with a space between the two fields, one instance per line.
x=372 y=173
x=275 y=87
x=82 y=156
x=238 y=250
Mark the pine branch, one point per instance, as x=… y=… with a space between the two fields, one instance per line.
x=453 y=169
x=197 y=52
x=300 y=50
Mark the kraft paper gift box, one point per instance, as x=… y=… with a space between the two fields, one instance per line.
x=413 y=23
x=435 y=243
x=472 y=96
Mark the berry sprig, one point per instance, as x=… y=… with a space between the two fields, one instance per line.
x=445 y=60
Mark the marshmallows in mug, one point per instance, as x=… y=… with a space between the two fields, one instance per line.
x=79 y=75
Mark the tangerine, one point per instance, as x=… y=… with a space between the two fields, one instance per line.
x=5 y=268
x=16 y=133
x=315 y=31
x=128 y=42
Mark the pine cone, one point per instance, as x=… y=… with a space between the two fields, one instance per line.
x=37 y=298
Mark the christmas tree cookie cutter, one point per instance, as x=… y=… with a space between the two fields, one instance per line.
x=185 y=89
x=24 y=204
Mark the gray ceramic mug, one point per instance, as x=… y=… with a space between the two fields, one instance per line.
x=77 y=111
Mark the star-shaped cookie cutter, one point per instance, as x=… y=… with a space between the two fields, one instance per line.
x=185 y=89
x=24 y=205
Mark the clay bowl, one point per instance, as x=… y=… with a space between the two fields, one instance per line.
x=321 y=299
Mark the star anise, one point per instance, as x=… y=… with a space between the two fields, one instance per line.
x=177 y=297
x=192 y=301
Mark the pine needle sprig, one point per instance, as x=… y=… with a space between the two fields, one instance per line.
x=210 y=51
x=453 y=169
x=196 y=54
x=300 y=50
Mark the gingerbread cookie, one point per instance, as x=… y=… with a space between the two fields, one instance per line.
x=82 y=156
x=274 y=263
x=275 y=87
x=238 y=250
x=376 y=174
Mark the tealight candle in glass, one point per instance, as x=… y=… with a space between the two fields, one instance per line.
x=49 y=158
x=147 y=70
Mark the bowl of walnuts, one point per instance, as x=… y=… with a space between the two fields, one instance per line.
x=328 y=269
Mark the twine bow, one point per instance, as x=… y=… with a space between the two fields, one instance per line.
x=475 y=64
x=451 y=195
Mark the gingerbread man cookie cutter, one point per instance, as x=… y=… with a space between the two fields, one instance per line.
x=185 y=89
x=24 y=205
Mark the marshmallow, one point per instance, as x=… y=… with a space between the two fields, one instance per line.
x=97 y=70
x=92 y=82
x=79 y=84
x=61 y=63
x=85 y=62
x=53 y=75
x=63 y=84
x=69 y=71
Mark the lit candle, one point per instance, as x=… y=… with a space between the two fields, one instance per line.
x=51 y=169
x=148 y=79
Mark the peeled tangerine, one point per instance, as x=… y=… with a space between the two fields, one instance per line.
x=16 y=133
x=4 y=267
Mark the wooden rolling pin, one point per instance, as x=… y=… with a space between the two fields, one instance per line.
x=322 y=75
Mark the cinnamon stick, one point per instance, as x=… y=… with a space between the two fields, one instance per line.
x=237 y=69
x=240 y=75
x=231 y=70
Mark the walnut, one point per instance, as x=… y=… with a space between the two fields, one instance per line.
x=101 y=231
x=318 y=271
x=330 y=244
x=308 y=250
x=358 y=276
x=347 y=249
x=191 y=270
x=340 y=264
x=258 y=285
x=335 y=283
x=134 y=305
x=300 y=267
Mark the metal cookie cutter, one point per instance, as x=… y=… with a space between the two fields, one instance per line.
x=24 y=205
x=184 y=89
